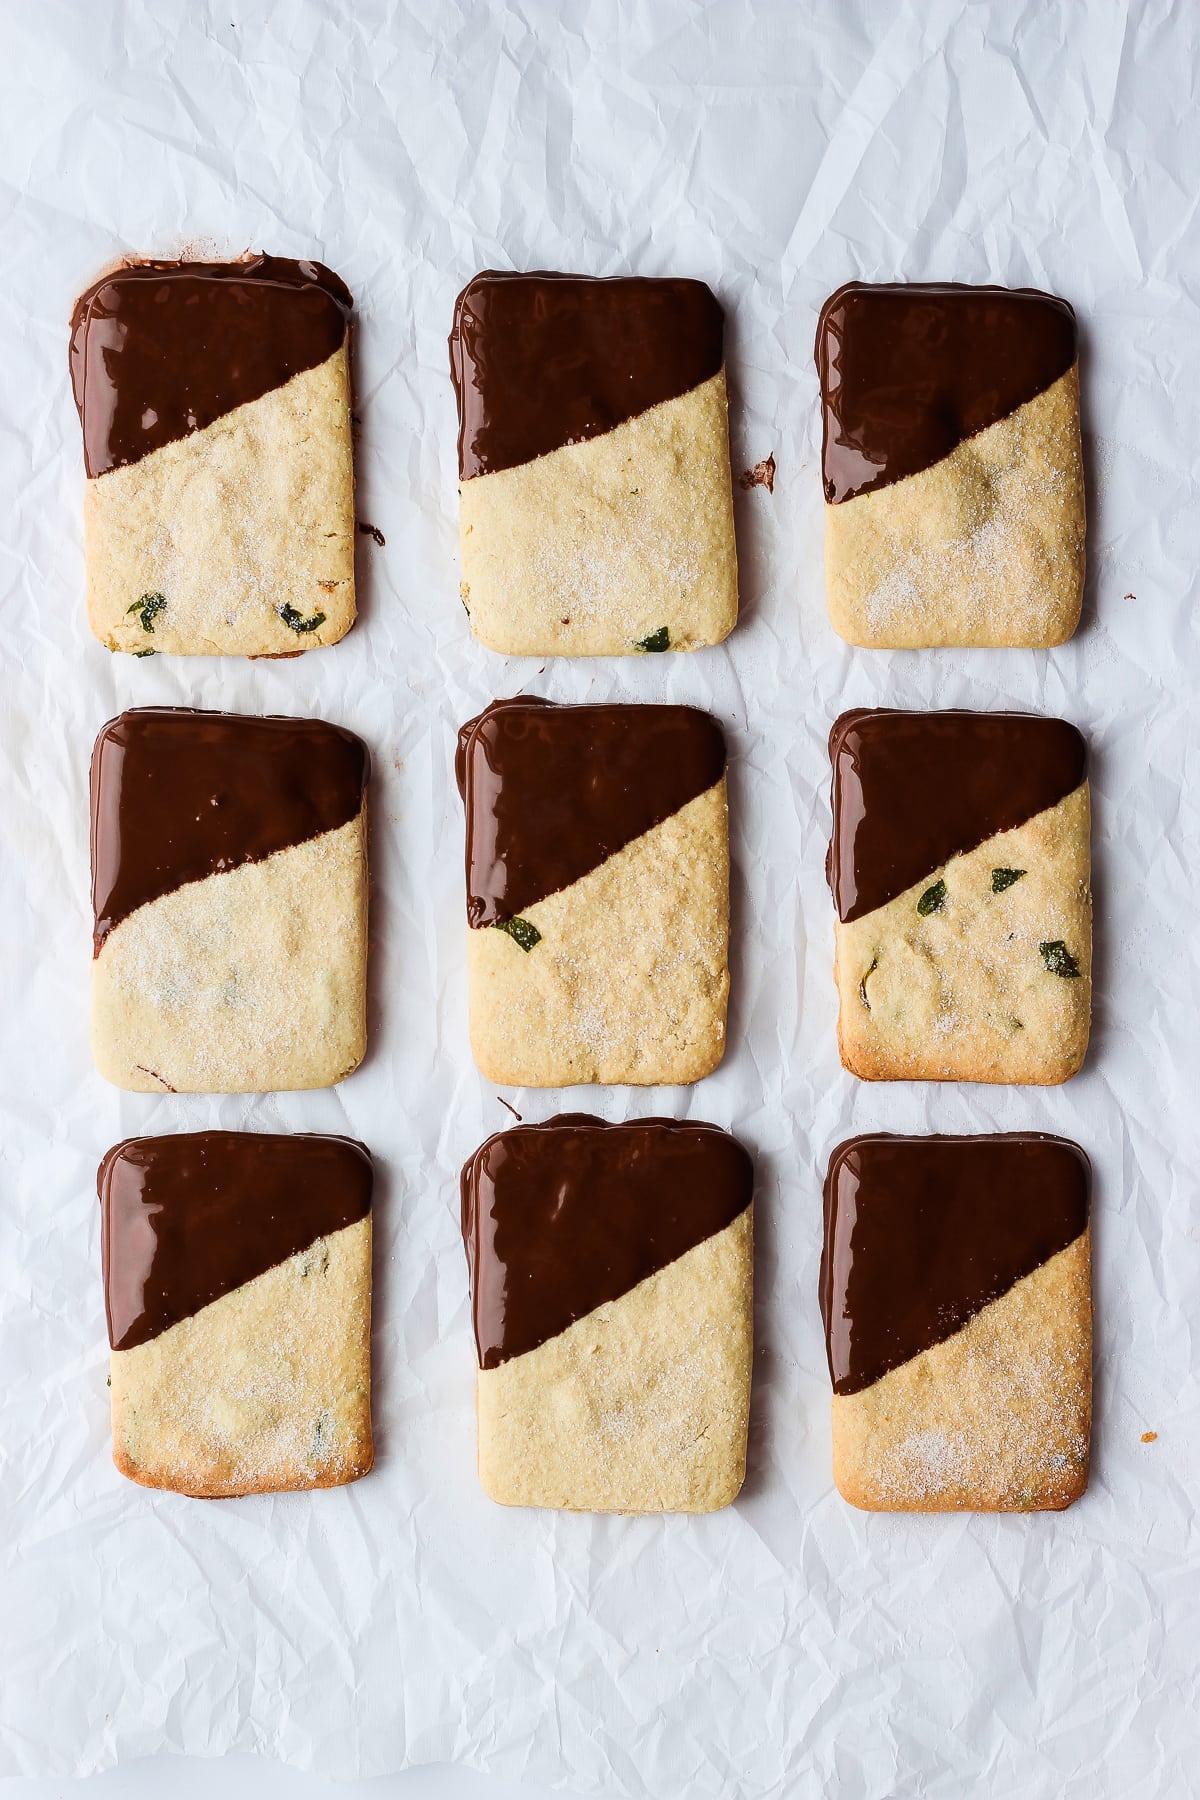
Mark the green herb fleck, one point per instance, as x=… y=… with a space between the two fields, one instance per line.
x=1004 y=878
x=316 y=1259
x=108 y=1381
x=322 y=1435
x=635 y=490
x=932 y=899
x=148 y=607
x=1058 y=959
x=658 y=640
x=520 y=931
x=296 y=622
x=862 y=986
x=140 y=653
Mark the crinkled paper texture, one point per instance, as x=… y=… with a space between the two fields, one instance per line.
x=789 y=1645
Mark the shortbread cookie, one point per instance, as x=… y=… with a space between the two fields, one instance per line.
x=229 y=883
x=595 y=496
x=956 y=1295
x=237 y=1283
x=611 y=1272
x=952 y=464
x=960 y=866
x=597 y=892
x=219 y=507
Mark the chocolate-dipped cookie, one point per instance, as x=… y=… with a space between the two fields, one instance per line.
x=611 y=1277
x=595 y=497
x=952 y=465
x=229 y=899
x=237 y=1286
x=219 y=504
x=960 y=868
x=597 y=892
x=955 y=1287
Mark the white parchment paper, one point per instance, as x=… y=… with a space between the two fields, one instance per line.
x=789 y=1645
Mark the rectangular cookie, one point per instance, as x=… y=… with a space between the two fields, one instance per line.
x=956 y=1294
x=595 y=498
x=960 y=866
x=219 y=506
x=229 y=889
x=237 y=1287
x=597 y=892
x=952 y=465
x=611 y=1271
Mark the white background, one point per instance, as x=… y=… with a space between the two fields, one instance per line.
x=788 y=1646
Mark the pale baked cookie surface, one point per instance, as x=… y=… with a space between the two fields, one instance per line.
x=953 y=466
x=595 y=494
x=219 y=504
x=956 y=1293
x=230 y=894
x=237 y=1272
x=597 y=893
x=979 y=969
x=612 y=1285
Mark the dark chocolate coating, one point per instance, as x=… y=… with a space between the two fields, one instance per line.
x=186 y=1219
x=543 y=360
x=161 y=349
x=559 y=1218
x=921 y=1233
x=552 y=791
x=178 y=795
x=912 y=789
x=910 y=369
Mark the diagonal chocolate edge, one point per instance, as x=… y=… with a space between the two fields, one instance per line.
x=186 y=1219
x=559 y=1218
x=162 y=349
x=912 y=789
x=177 y=795
x=552 y=791
x=909 y=370
x=921 y=1233
x=542 y=360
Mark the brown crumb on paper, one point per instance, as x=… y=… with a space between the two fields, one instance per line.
x=372 y=531
x=1149 y=1437
x=761 y=475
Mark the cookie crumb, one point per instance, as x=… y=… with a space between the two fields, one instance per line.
x=372 y=531
x=761 y=475
x=1149 y=1437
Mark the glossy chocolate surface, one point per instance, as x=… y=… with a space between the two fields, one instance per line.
x=544 y=360
x=559 y=1218
x=161 y=349
x=178 y=795
x=186 y=1219
x=551 y=791
x=910 y=370
x=921 y=1233
x=912 y=789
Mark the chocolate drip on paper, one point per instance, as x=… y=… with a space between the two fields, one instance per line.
x=912 y=789
x=909 y=370
x=161 y=349
x=559 y=1218
x=186 y=1219
x=178 y=795
x=922 y=1233
x=542 y=360
x=552 y=791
